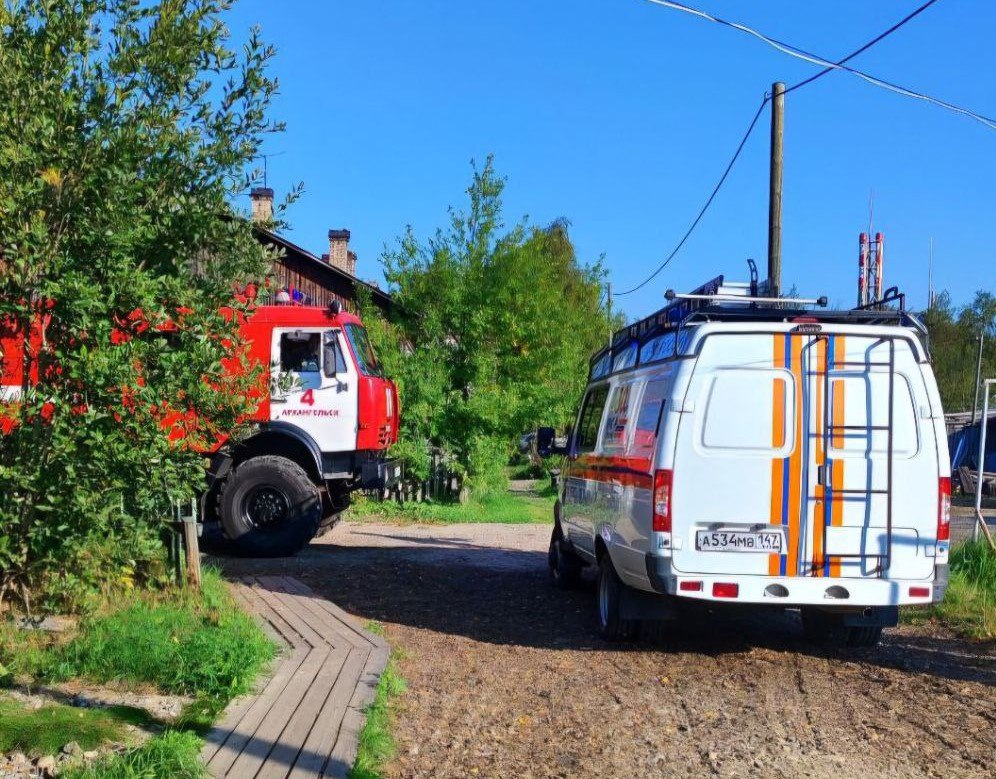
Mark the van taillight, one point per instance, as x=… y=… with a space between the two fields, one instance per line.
x=944 y=508
x=662 y=501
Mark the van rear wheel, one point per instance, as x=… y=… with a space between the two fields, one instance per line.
x=611 y=625
x=565 y=566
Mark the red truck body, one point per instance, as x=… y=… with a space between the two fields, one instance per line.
x=325 y=419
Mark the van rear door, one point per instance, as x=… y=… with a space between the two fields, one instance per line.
x=782 y=465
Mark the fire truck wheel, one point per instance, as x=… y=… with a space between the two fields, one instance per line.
x=611 y=625
x=269 y=507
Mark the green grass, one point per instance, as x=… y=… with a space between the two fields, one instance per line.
x=173 y=755
x=969 y=606
x=377 y=745
x=48 y=729
x=180 y=642
x=504 y=508
x=177 y=641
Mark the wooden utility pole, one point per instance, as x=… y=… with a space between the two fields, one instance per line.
x=775 y=190
x=608 y=298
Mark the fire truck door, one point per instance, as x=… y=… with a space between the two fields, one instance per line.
x=314 y=385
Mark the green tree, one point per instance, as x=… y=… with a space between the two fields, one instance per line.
x=127 y=126
x=492 y=335
x=954 y=341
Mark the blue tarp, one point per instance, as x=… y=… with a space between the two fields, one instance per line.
x=964 y=447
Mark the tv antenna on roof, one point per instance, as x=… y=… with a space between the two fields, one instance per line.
x=265 y=157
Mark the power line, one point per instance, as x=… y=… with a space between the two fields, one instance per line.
x=715 y=191
x=829 y=67
x=807 y=56
x=864 y=48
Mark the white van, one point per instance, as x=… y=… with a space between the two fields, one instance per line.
x=732 y=449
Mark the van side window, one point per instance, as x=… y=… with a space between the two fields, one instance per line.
x=617 y=420
x=591 y=416
x=648 y=420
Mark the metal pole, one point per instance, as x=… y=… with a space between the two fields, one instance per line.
x=982 y=453
x=978 y=373
x=775 y=189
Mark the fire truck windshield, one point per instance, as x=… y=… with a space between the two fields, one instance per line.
x=364 y=352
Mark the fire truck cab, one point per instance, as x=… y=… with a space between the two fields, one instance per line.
x=322 y=431
x=324 y=422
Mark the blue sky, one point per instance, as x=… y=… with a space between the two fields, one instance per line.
x=620 y=116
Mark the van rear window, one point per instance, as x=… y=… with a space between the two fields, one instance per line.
x=591 y=416
x=749 y=411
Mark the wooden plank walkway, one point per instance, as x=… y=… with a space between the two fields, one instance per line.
x=305 y=721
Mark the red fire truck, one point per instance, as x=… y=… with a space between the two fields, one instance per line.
x=321 y=430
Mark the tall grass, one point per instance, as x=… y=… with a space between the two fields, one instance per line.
x=179 y=642
x=173 y=755
x=969 y=606
x=187 y=643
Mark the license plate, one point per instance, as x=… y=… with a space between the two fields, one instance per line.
x=737 y=541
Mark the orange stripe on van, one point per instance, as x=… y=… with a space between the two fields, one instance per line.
x=778 y=422
x=837 y=464
x=795 y=465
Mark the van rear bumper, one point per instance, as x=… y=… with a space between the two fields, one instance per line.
x=825 y=592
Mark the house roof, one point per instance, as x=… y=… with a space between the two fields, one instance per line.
x=381 y=298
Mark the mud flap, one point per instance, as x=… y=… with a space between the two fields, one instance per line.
x=639 y=605
x=872 y=617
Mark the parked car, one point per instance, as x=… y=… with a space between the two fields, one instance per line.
x=727 y=450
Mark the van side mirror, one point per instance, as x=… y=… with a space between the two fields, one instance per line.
x=546 y=443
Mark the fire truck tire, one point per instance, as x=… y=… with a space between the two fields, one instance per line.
x=269 y=507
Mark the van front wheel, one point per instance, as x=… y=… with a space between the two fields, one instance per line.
x=565 y=566
x=611 y=625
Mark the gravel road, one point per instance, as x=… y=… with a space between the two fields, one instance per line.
x=507 y=678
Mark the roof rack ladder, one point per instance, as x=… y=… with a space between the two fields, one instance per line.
x=830 y=494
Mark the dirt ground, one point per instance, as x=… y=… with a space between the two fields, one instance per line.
x=506 y=677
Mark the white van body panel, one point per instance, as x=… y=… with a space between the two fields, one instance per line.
x=776 y=430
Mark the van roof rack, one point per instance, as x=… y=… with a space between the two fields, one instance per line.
x=718 y=300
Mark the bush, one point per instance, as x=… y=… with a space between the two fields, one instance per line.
x=127 y=127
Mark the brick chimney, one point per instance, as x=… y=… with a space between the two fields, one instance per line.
x=262 y=205
x=339 y=253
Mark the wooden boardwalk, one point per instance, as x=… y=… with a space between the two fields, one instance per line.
x=305 y=722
